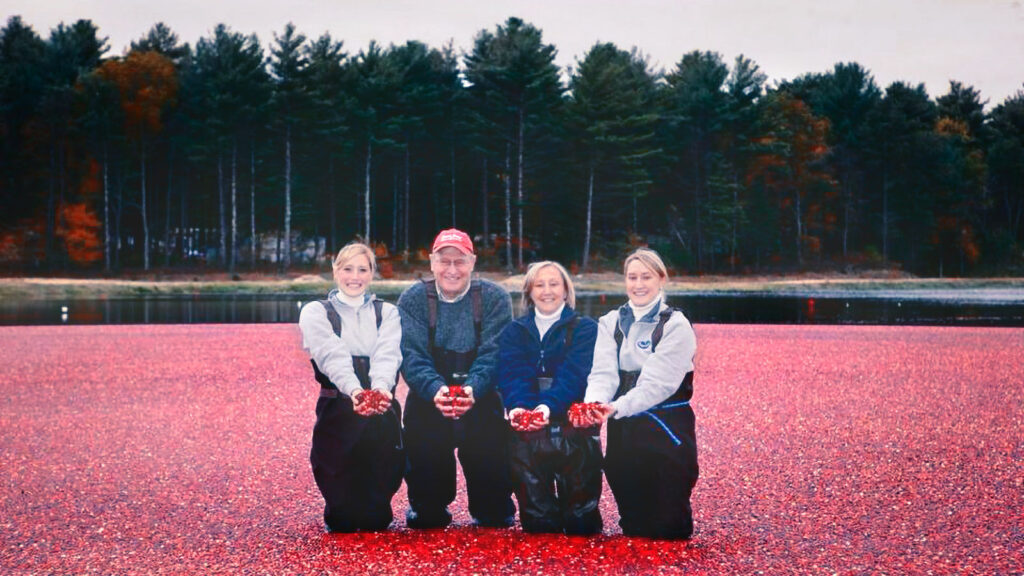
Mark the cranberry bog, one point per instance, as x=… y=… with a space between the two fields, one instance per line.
x=183 y=449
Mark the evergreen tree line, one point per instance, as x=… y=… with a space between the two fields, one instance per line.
x=244 y=156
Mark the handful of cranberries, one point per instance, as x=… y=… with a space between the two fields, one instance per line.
x=457 y=396
x=457 y=391
x=585 y=411
x=377 y=400
x=527 y=419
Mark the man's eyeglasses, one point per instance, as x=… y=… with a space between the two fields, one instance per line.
x=458 y=263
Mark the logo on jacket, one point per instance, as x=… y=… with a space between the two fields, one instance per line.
x=643 y=344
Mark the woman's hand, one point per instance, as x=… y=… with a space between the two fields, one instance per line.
x=362 y=403
x=523 y=420
x=589 y=414
x=384 y=399
x=606 y=411
x=371 y=402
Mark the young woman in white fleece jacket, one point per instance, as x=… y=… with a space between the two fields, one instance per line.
x=642 y=378
x=354 y=343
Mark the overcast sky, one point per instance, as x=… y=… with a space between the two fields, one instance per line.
x=977 y=42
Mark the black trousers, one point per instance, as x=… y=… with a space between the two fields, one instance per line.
x=557 y=480
x=481 y=437
x=651 y=467
x=357 y=464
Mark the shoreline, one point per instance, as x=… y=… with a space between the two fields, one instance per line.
x=817 y=286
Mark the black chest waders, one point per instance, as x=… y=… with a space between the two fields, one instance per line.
x=557 y=470
x=357 y=461
x=479 y=435
x=651 y=458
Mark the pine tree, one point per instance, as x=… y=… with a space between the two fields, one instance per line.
x=612 y=128
x=512 y=72
x=288 y=66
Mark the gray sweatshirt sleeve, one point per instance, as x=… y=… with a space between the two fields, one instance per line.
x=386 y=358
x=663 y=371
x=329 y=351
x=604 y=375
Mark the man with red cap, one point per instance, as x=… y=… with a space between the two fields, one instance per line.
x=450 y=327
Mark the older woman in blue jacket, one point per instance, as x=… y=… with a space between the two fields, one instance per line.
x=544 y=359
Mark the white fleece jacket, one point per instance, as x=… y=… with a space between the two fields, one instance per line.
x=359 y=337
x=661 y=373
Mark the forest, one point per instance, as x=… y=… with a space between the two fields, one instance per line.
x=233 y=154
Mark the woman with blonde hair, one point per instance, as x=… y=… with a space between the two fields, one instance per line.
x=544 y=358
x=353 y=341
x=641 y=382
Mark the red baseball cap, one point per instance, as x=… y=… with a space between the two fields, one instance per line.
x=455 y=239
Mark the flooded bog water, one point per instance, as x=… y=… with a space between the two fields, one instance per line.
x=716 y=309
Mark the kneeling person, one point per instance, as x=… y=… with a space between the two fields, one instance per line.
x=449 y=339
x=353 y=341
x=545 y=357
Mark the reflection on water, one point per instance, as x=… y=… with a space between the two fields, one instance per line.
x=723 y=309
x=185 y=310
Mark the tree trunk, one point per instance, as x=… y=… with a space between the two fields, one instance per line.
x=885 y=215
x=286 y=259
x=252 y=205
x=51 y=213
x=332 y=202
x=590 y=211
x=117 y=222
x=145 y=214
x=182 y=221
x=408 y=188
x=636 y=225
x=62 y=163
x=799 y=230
x=698 y=199
x=484 y=211
x=220 y=201
x=452 y=168
x=366 y=191
x=735 y=220
x=508 y=206
x=167 y=207
x=519 y=184
x=394 y=211
x=234 y=205
x=106 y=211
x=847 y=201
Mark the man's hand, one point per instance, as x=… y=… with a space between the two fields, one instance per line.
x=454 y=401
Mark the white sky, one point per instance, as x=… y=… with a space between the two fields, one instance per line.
x=977 y=42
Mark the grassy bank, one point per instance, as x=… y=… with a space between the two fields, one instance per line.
x=75 y=288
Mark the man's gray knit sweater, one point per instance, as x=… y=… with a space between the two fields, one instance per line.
x=455 y=331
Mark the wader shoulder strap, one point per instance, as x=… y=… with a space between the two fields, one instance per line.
x=476 y=293
x=378 y=311
x=332 y=316
x=659 y=330
x=476 y=297
x=430 y=288
x=335 y=319
x=570 y=330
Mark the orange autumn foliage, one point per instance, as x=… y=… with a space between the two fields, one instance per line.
x=147 y=82
x=80 y=231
